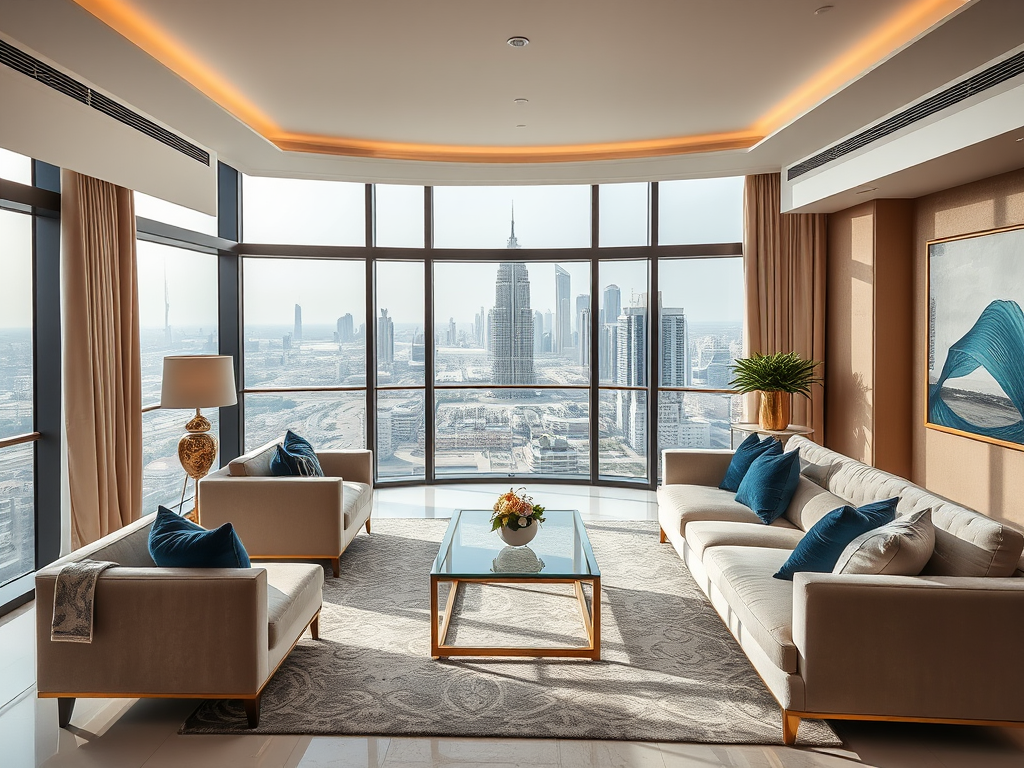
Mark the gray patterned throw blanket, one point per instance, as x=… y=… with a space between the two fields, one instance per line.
x=73 y=599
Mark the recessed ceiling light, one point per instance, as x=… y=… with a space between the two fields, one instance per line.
x=521 y=125
x=824 y=9
x=1020 y=139
x=520 y=101
x=518 y=41
x=865 y=191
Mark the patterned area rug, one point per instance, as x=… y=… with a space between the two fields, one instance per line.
x=670 y=670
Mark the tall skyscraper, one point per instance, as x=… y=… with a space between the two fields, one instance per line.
x=563 y=311
x=511 y=330
x=385 y=339
x=538 y=333
x=512 y=242
x=582 y=302
x=345 y=328
x=631 y=371
x=583 y=348
x=297 y=331
x=608 y=351
x=453 y=334
x=675 y=348
x=479 y=325
x=612 y=305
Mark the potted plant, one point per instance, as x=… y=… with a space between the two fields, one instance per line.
x=777 y=377
x=516 y=518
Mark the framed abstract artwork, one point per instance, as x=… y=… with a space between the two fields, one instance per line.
x=976 y=336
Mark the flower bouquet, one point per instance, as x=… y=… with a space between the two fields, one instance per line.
x=516 y=518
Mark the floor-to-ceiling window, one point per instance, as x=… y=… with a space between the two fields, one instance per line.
x=564 y=332
x=29 y=372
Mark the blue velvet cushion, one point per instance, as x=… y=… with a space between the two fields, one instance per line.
x=770 y=483
x=175 y=542
x=295 y=457
x=744 y=456
x=820 y=548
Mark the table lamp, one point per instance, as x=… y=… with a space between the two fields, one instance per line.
x=197 y=381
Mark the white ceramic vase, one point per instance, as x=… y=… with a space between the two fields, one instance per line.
x=520 y=537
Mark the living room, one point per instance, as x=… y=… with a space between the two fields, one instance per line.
x=555 y=523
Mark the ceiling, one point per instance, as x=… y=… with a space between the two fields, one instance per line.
x=414 y=92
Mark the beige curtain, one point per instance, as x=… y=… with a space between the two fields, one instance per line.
x=102 y=378
x=784 y=267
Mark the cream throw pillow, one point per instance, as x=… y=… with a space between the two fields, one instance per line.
x=900 y=548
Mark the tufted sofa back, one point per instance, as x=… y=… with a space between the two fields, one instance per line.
x=967 y=543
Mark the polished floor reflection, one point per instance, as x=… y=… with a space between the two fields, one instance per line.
x=127 y=733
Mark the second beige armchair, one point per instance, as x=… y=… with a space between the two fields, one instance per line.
x=291 y=518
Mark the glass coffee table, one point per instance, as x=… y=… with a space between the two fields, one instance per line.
x=472 y=553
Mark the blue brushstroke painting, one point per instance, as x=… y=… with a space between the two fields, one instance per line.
x=995 y=343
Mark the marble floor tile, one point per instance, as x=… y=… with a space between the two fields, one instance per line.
x=342 y=752
x=610 y=754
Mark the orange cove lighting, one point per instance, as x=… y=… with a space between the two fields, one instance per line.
x=902 y=28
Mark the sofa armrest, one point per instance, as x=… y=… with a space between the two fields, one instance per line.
x=277 y=516
x=687 y=466
x=355 y=465
x=167 y=631
x=921 y=646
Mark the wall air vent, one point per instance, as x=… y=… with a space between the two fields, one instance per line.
x=970 y=86
x=47 y=75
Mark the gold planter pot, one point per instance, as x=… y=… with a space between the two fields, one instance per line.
x=774 y=412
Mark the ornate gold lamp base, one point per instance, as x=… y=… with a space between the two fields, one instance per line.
x=197 y=450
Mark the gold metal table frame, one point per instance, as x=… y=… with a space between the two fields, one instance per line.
x=591 y=614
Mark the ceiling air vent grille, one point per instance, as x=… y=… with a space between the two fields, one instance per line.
x=47 y=75
x=994 y=75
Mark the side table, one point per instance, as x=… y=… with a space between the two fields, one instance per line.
x=782 y=435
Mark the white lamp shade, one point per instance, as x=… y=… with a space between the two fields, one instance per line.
x=198 y=381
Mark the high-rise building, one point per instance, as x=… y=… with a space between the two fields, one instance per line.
x=512 y=242
x=479 y=326
x=608 y=351
x=297 y=331
x=612 y=304
x=582 y=302
x=511 y=331
x=583 y=348
x=385 y=339
x=538 y=333
x=563 y=312
x=453 y=338
x=675 y=348
x=345 y=328
x=631 y=371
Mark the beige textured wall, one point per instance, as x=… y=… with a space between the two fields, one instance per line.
x=986 y=477
x=849 y=367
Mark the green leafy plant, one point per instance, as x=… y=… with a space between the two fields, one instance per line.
x=516 y=510
x=782 y=372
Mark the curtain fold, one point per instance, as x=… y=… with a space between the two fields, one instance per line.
x=102 y=389
x=784 y=271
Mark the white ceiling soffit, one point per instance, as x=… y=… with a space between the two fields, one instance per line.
x=905 y=163
x=62 y=32
x=38 y=121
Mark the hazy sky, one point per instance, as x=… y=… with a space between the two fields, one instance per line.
x=306 y=212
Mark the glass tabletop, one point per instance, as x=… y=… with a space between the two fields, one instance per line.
x=561 y=548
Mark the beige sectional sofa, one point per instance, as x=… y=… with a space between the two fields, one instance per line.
x=944 y=646
x=291 y=518
x=212 y=633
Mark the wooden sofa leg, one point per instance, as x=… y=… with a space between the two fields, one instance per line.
x=314 y=626
x=64 y=709
x=367 y=525
x=252 y=711
x=790 y=725
x=663 y=537
x=336 y=566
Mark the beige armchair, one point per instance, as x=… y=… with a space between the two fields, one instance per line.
x=194 y=633
x=291 y=518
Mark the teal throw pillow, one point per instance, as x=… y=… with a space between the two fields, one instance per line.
x=769 y=484
x=744 y=456
x=295 y=457
x=820 y=548
x=175 y=542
